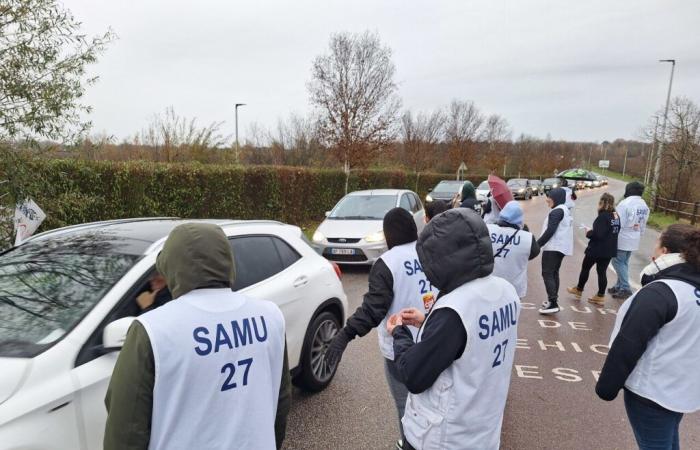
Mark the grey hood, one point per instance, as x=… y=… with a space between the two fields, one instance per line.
x=455 y=248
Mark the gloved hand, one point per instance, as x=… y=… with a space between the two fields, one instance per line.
x=337 y=347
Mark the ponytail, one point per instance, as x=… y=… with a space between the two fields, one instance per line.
x=683 y=239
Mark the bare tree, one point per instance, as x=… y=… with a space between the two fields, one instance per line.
x=354 y=91
x=420 y=135
x=462 y=130
x=174 y=136
x=682 y=150
x=496 y=134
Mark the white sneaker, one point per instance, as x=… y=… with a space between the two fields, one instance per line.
x=549 y=308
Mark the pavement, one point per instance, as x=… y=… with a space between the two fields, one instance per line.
x=551 y=402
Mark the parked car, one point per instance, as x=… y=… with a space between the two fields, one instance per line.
x=537 y=187
x=352 y=232
x=446 y=190
x=482 y=191
x=520 y=188
x=550 y=183
x=69 y=298
x=580 y=184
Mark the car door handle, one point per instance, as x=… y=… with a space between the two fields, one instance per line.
x=301 y=281
x=62 y=405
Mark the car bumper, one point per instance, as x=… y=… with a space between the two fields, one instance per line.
x=363 y=253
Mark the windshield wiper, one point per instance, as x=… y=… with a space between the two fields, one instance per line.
x=355 y=217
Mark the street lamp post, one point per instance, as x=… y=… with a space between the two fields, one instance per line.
x=650 y=156
x=236 y=109
x=659 y=152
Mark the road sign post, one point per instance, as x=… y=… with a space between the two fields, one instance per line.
x=604 y=163
x=461 y=170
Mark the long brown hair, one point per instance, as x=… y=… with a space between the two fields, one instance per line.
x=683 y=239
x=606 y=203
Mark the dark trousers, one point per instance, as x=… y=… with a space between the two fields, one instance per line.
x=654 y=427
x=601 y=267
x=551 y=262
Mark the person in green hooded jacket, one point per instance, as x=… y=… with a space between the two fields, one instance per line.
x=196 y=261
x=467 y=198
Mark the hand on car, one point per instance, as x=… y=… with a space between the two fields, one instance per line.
x=412 y=316
x=393 y=322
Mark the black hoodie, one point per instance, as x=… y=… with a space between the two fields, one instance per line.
x=558 y=196
x=453 y=249
x=653 y=306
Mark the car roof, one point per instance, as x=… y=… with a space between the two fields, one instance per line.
x=147 y=230
x=380 y=192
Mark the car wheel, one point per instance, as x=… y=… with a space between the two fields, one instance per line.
x=315 y=372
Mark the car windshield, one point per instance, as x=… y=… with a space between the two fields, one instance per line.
x=450 y=187
x=363 y=207
x=551 y=181
x=484 y=186
x=48 y=285
x=516 y=182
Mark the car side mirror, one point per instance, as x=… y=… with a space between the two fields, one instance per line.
x=114 y=334
x=327 y=213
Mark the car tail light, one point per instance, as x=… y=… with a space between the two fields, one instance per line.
x=338 y=272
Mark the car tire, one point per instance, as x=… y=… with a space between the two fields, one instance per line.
x=315 y=376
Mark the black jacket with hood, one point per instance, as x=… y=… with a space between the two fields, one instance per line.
x=208 y=263
x=653 y=307
x=453 y=249
x=558 y=195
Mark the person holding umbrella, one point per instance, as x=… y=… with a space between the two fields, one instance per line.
x=498 y=196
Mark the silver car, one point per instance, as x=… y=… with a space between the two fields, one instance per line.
x=352 y=232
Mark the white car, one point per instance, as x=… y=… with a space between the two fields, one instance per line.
x=352 y=232
x=67 y=298
x=482 y=191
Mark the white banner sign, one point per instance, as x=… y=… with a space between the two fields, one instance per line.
x=604 y=164
x=28 y=217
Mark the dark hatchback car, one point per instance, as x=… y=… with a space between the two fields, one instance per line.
x=537 y=187
x=550 y=183
x=520 y=188
x=446 y=190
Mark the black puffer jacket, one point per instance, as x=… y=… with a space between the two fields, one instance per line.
x=455 y=248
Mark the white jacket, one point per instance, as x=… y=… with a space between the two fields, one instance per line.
x=634 y=213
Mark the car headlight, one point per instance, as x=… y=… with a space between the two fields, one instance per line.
x=555 y=185
x=375 y=237
x=521 y=190
x=318 y=236
x=428 y=198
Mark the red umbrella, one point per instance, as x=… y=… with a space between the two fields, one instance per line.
x=499 y=191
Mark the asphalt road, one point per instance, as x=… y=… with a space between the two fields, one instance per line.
x=551 y=403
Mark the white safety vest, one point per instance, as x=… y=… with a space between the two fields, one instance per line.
x=569 y=199
x=411 y=290
x=563 y=239
x=667 y=372
x=492 y=216
x=511 y=263
x=218 y=366
x=632 y=211
x=463 y=409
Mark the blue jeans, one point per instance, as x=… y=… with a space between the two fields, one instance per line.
x=621 y=264
x=654 y=428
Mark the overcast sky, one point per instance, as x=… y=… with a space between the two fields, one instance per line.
x=579 y=70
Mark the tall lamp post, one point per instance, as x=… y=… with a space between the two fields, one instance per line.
x=236 y=109
x=660 y=151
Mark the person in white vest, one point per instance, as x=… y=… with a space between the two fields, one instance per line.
x=458 y=368
x=491 y=210
x=570 y=195
x=654 y=353
x=206 y=370
x=634 y=213
x=556 y=242
x=513 y=246
x=396 y=281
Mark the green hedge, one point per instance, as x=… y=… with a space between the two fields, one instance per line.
x=73 y=191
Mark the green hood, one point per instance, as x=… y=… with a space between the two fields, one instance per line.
x=196 y=256
x=468 y=191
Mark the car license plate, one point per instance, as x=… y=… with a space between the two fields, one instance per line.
x=342 y=251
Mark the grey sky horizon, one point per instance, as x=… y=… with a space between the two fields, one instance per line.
x=580 y=71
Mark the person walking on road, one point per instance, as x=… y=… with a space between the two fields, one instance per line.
x=208 y=369
x=556 y=241
x=634 y=213
x=602 y=247
x=513 y=247
x=458 y=368
x=654 y=353
x=396 y=281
